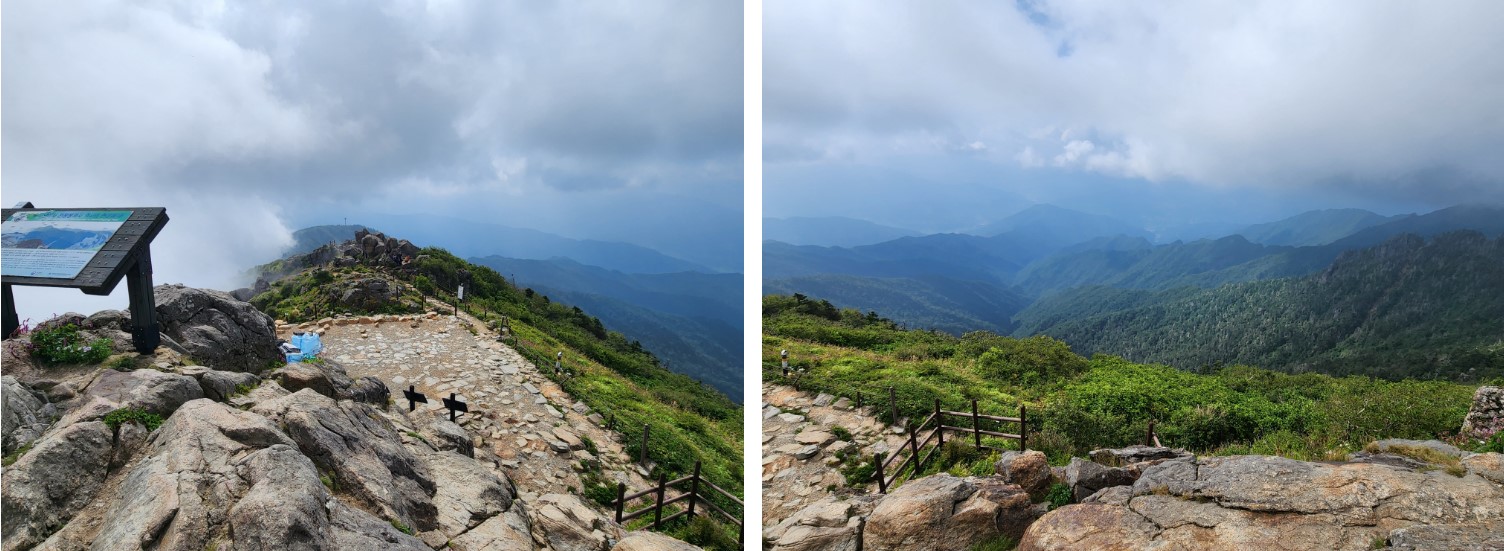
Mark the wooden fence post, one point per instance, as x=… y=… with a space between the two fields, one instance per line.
x=642 y=455
x=858 y=399
x=694 y=488
x=893 y=403
x=1149 y=435
x=939 y=424
x=1023 y=427
x=621 y=492
x=976 y=424
x=882 y=481
x=914 y=447
x=658 y=507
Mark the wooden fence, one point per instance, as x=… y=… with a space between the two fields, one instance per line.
x=917 y=459
x=696 y=495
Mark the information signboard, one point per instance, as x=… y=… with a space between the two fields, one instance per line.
x=56 y=244
x=87 y=249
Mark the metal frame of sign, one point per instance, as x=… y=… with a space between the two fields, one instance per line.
x=127 y=255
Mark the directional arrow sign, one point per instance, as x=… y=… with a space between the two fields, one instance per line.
x=454 y=405
x=413 y=397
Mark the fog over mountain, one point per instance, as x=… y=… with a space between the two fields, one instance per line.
x=613 y=122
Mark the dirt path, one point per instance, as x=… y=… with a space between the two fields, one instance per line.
x=799 y=447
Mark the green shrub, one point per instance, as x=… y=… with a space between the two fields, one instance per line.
x=999 y=543
x=150 y=420
x=708 y=534
x=62 y=344
x=1059 y=496
x=9 y=459
x=402 y=527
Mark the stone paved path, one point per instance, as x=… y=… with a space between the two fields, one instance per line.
x=799 y=448
x=524 y=418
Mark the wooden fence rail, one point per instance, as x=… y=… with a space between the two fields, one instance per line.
x=695 y=495
x=887 y=474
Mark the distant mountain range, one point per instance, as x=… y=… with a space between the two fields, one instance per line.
x=1051 y=267
x=829 y=231
x=691 y=320
x=465 y=238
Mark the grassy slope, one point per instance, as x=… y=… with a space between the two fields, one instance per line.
x=1077 y=404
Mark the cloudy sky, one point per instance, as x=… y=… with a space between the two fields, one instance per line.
x=1194 y=110
x=606 y=120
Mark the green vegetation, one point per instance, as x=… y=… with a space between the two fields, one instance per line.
x=707 y=533
x=1446 y=462
x=9 y=459
x=1407 y=308
x=61 y=344
x=402 y=527
x=124 y=362
x=688 y=420
x=150 y=420
x=1076 y=404
x=1059 y=495
x=999 y=543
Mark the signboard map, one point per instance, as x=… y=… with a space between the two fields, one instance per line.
x=56 y=243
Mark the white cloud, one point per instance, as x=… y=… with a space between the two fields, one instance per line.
x=1260 y=93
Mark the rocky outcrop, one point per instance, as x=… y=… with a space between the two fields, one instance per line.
x=216 y=329
x=1030 y=470
x=1247 y=501
x=1486 y=416
x=1087 y=477
x=52 y=482
x=831 y=524
x=369 y=294
x=24 y=414
x=571 y=526
x=330 y=379
x=147 y=390
x=363 y=452
x=945 y=512
x=650 y=541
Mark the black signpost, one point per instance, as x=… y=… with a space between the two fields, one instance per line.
x=454 y=405
x=87 y=249
x=413 y=397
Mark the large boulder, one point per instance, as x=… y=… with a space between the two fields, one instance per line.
x=572 y=526
x=362 y=450
x=48 y=485
x=327 y=377
x=368 y=294
x=1486 y=416
x=147 y=390
x=467 y=493
x=216 y=329
x=830 y=524
x=651 y=541
x=24 y=414
x=1245 y=502
x=1030 y=470
x=1087 y=477
x=945 y=512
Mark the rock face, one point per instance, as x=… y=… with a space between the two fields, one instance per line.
x=1486 y=416
x=370 y=294
x=571 y=526
x=216 y=329
x=330 y=379
x=1030 y=470
x=1087 y=477
x=39 y=496
x=362 y=450
x=945 y=512
x=651 y=541
x=1246 y=502
x=25 y=414
x=831 y=524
